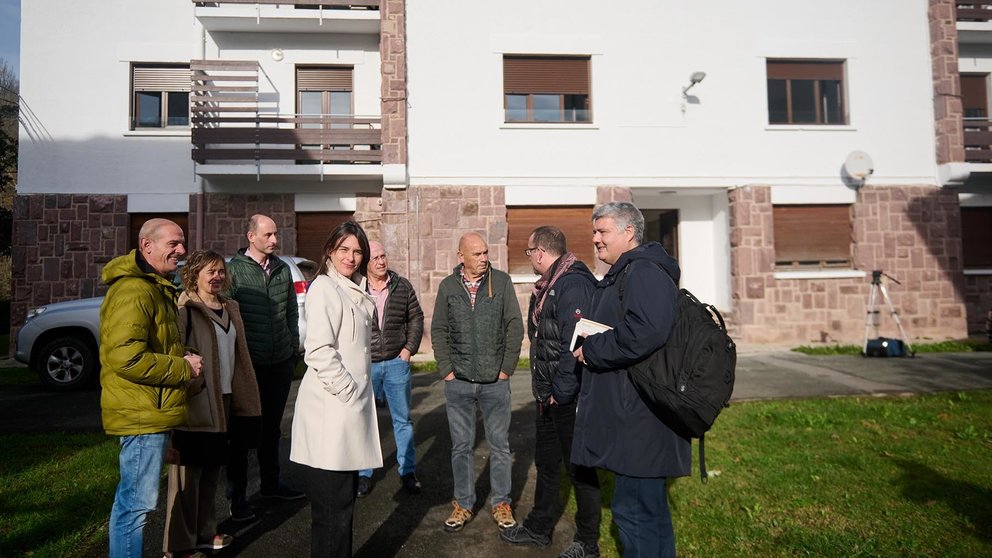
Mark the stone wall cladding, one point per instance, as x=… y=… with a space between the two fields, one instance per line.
x=912 y=233
x=392 y=49
x=226 y=218
x=60 y=244
x=978 y=300
x=946 y=84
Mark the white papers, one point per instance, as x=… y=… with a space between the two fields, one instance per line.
x=586 y=327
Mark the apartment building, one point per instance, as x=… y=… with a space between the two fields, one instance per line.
x=732 y=125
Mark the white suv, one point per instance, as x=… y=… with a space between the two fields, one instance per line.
x=60 y=341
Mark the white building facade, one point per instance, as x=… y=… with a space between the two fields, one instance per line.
x=729 y=124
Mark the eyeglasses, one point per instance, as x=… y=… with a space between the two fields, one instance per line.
x=530 y=251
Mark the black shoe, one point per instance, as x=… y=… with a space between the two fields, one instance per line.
x=364 y=486
x=411 y=484
x=241 y=512
x=519 y=534
x=283 y=492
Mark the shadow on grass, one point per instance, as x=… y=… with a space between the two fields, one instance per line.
x=923 y=485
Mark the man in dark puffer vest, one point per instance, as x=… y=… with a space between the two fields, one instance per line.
x=396 y=333
x=560 y=299
x=262 y=285
x=476 y=331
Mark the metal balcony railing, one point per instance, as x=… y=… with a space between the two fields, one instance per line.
x=304 y=4
x=977 y=141
x=974 y=11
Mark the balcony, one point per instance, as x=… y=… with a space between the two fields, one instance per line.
x=236 y=133
x=974 y=22
x=300 y=16
x=977 y=141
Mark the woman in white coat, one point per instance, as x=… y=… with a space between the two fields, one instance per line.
x=335 y=432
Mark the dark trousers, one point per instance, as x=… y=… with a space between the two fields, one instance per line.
x=332 y=504
x=555 y=425
x=274 y=381
x=641 y=513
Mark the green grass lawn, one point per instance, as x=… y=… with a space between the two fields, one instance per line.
x=895 y=476
x=839 y=477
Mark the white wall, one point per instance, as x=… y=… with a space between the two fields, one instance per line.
x=642 y=54
x=75 y=63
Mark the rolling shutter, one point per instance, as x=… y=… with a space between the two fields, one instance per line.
x=812 y=235
x=541 y=74
x=324 y=79
x=574 y=221
x=161 y=78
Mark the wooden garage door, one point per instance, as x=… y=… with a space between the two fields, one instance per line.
x=574 y=221
x=312 y=230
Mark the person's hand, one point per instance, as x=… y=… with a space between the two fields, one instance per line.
x=551 y=400
x=577 y=353
x=405 y=355
x=195 y=362
x=449 y=377
x=504 y=376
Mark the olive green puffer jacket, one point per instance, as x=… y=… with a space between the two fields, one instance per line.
x=268 y=307
x=142 y=369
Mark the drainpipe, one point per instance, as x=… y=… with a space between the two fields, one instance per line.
x=197 y=179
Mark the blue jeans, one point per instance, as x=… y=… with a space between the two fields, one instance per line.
x=391 y=381
x=494 y=400
x=141 y=460
x=640 y=510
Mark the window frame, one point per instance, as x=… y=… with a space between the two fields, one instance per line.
x=807 y=236
x=817 y=71
x=169 y=86
x=560 y=76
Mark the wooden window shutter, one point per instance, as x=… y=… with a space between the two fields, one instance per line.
x=313 y=229
x=542 y=74
x=574 y=221
x=816 y=235
x=976 y=236
x=136 y=220
x=805 y=69
x=324 y=79
x=161 y=78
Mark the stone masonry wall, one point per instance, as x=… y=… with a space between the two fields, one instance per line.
x=978 y=299
x=392 y=49
x=226 y=218
x=911 y=233
x=946 y=84
x=60 y=244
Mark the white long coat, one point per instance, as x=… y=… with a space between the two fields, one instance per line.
x=334 y=426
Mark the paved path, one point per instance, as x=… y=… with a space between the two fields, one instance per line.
x=391 y=523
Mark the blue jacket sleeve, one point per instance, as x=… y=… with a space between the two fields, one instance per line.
x=648 y=312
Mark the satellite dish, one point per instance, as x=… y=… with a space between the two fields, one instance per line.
x=859 y=165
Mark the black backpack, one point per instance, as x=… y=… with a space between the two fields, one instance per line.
x=689 y=380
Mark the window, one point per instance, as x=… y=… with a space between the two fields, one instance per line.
x=974 y=96
x=324 y=91
x=160 y=95
x=574 y=221
x=546 y=89
x=976 y=236
x=313 y=229
x=806 y=92
x=812 y=236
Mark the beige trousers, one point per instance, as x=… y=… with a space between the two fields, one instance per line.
x=191 y=515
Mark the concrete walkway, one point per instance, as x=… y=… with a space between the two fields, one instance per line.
x=392 y=523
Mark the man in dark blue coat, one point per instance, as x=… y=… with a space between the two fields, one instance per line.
x=614 y=429
x=561 y=297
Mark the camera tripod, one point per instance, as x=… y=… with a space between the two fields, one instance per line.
x=872 y=318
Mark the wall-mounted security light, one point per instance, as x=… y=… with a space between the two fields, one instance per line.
x=695 y=78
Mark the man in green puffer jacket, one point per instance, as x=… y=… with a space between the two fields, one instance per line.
x=263 y=287
x=476 y=332
x=144 y=373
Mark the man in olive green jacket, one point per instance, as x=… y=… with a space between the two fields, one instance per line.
x=476 y=332
x=144 y=374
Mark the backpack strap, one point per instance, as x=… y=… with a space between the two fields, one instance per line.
x=702 y=459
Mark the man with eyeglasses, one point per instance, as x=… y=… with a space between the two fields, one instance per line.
x=560 y=298
x=396 y=332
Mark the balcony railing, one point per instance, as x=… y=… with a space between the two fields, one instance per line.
x=978 y=141
x=230 y=123
x=974 y=11
x=305 y=4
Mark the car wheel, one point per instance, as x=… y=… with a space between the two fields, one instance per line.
x=66 y=363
